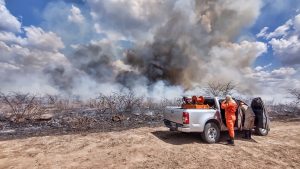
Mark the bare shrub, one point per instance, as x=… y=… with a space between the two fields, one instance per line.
x=117 y=102
x=99 y=103
x=52 y=99
x=296 y=95
x=20 y=107
x=220 y=89
x=112 y=103
x=131 y=101
x=170 y=102
x=59 y=103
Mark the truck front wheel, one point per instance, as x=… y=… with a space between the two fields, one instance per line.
x=211 y=133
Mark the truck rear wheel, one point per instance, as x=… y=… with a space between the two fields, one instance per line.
x=211 y=133
x=261 y=131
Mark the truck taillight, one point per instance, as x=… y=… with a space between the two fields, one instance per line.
x=185 y=118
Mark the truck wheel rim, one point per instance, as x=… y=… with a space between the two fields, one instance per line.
x=212 y=133
x=263 y=130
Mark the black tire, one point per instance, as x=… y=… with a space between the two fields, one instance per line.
x=261 y=131
x=211 y=133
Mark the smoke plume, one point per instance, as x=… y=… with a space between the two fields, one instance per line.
x=173 y=46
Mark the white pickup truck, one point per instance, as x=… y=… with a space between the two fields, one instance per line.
x=209 y=122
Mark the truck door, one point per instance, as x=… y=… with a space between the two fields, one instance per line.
x=262 y=119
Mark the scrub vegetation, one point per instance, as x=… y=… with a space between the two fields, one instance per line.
x=28 y=114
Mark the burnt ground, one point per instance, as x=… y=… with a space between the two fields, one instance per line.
x=78 y=121
x=92 y=121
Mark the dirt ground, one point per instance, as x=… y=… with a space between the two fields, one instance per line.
x=153 y=148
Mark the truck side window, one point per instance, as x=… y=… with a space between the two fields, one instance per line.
x=211 y=103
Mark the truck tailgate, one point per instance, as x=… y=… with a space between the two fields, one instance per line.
x=173 y=114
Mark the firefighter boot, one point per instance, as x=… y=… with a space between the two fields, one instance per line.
x=230 y=141
x=246 y=134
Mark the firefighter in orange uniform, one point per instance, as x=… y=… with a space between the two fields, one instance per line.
x=230 y=107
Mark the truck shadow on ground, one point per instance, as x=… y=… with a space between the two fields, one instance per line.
x=179 y=138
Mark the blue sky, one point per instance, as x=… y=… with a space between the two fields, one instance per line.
x=274 y=14
x=30 y=11
x=261 y=37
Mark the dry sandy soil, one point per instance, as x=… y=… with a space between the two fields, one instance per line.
x=153 y=148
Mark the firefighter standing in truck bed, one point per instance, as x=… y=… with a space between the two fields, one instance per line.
x=230 y=107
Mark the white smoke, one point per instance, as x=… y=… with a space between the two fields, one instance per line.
x=173 y=46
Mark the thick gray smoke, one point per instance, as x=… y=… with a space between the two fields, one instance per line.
x=161 y=61
x=185 y=47
x=176 y=46
x=93 y=61
x=60 y=78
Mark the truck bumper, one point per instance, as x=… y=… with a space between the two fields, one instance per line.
x=176 y=127
x=184 y=129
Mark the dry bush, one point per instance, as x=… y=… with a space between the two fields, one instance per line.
x=167 y=102
x=99 y=104
x=59 y=103
x=20 y=107
x=117 y=102
x=131 y=101
x=281 y=109
x=295 y=94
x=52 y=99
x=220 y=89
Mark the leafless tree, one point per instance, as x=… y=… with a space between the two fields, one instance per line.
x=296 y=94
x=220 y=89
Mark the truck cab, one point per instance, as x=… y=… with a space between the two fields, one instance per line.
x=211 y=121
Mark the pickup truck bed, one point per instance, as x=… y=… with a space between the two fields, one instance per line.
x=173 y=118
